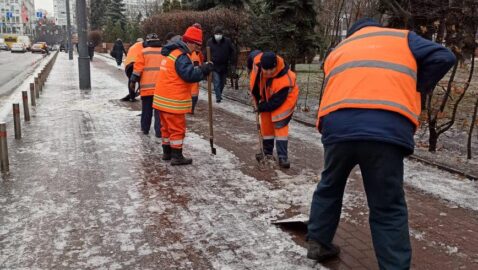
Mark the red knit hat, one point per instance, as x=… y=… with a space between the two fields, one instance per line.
x=193 y=35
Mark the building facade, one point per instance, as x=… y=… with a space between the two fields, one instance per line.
x=59 y=8
x=17 y=17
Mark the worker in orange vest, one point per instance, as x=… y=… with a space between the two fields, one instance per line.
x=275 y=91
x=197 y=58
x=172 y=96
x=131 y=57
x=145 y=71
x=368 y=116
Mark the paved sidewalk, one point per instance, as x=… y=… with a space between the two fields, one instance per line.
x=87 y=190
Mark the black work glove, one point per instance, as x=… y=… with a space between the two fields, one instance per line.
x=134 y=78
x=131 y=86
x=260 y=107
x=207 y=68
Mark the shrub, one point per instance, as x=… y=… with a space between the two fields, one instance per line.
x=234 y=23
x=96 y=37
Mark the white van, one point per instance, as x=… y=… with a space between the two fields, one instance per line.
x=25 y=40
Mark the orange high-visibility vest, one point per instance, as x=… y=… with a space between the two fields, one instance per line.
x=172 y=94
x=372 y=69
x=196 y=58
x=254 y=72
x=133 y=52
x=278 y=83
x=147 y=67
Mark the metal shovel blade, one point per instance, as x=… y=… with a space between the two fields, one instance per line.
x=260 y=157
x=300 y=219
x=213 y=150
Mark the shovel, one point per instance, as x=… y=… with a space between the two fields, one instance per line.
x=299 y=222
x=260 y=157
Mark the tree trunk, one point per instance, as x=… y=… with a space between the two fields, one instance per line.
x=433 y=139
x=292 y=64
x=472 y=126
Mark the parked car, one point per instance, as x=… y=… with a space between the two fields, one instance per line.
x=4 y=47
x=62 y=47
x=55 y=47
x=18 y=47
x=37 y=48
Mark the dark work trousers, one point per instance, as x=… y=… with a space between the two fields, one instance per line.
x=281 y=147
x=218 y=80
x=147 y=115
x=195 y=101
x=381 y=165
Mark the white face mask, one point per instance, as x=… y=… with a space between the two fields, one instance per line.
x=218 y=37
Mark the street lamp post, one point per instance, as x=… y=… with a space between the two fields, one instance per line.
x=68 y=27
x=83 y=58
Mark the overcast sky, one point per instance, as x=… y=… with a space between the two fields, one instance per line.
x=45 y=4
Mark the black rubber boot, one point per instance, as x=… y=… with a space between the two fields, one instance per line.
x=177 y=157
x=166 y=152
x=126 y=98
x=317 y=252
x=284 y=163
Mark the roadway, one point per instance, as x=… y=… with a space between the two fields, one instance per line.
x=15 y=68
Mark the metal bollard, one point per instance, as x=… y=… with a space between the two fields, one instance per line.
x=32 y=94
x=3 y=147
x=42 y=79
x=37 y=88
x=26 y=111
x=16 y=121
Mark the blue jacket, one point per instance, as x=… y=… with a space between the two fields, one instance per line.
x=433 y=62
x=184 y=66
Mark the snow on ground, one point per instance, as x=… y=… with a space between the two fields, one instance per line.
x=227 y=215
x=100 y=222
x=240 y=198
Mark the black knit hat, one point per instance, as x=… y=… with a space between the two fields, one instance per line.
x=218 y=30
x=268 y=60
x=250 y=58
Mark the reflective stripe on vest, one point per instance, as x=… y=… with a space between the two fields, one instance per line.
x=176 y=142
x=375 y=34
x=282 y=138
x=372 y=69
x=172 y=104
x=372 y=64
x=372 y=101
x=283 y=115
x=148 y=85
